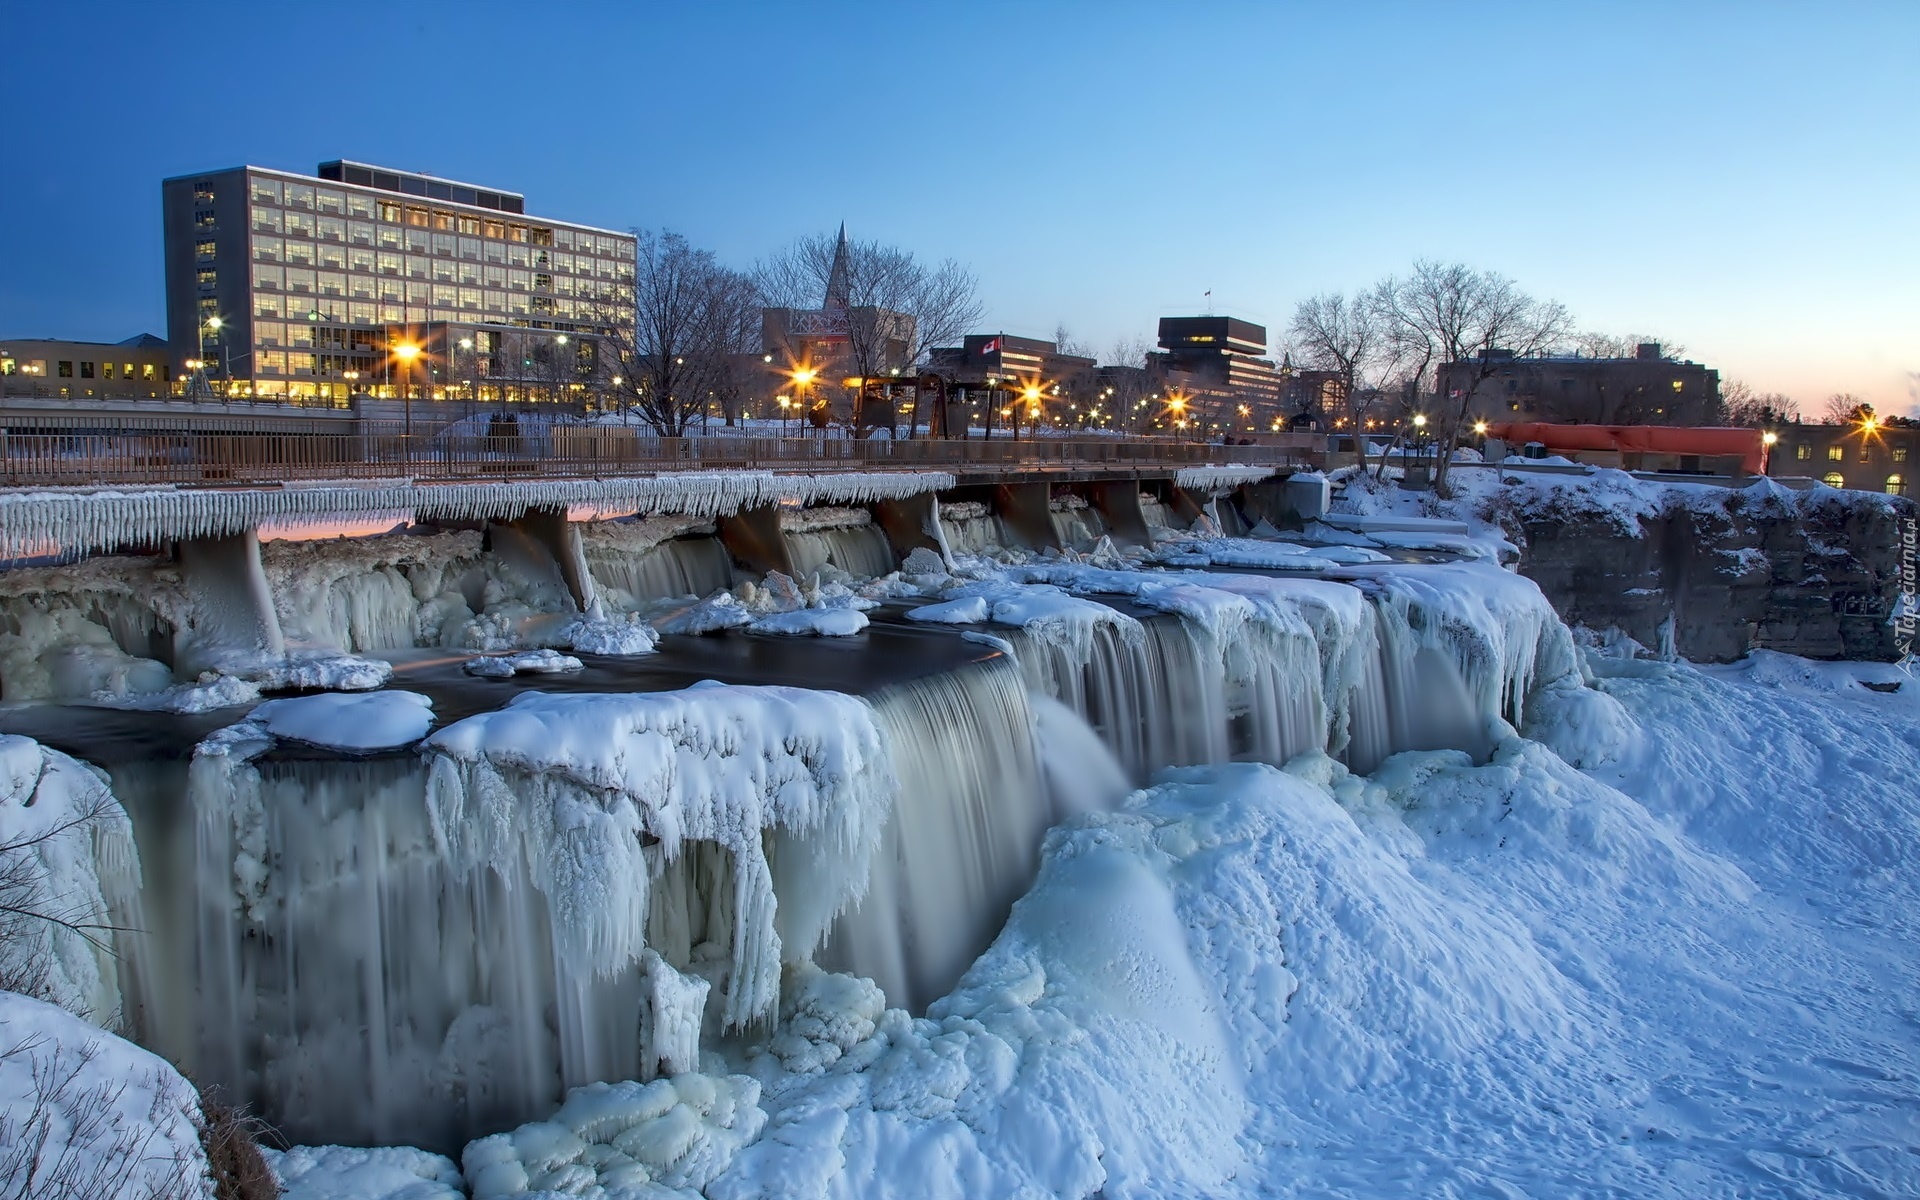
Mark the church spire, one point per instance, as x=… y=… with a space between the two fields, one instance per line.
x=839 y=288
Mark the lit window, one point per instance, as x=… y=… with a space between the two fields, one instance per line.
x=1895 y=485
x=1836 y=453
x=1679 y=385
x=206 y=277
x=389 y=212
x=203 y=192
x=203 y=249
x=1835 y=479
x=418 y=217
x=203 y=218
x=266 y=191
x=1803 y=452
x=1899 y=454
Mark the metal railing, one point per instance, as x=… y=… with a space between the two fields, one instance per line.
x=52 y=459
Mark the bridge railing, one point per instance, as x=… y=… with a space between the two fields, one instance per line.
x=149 y=458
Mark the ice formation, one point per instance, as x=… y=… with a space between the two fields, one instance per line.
x=1219 y=478
x=574 y=785
x=66 y=853
x=356 y=1173
x=527 y=662
x=623 y=1141
x=99 y=519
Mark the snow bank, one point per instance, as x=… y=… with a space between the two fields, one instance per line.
x=85 y=1114
x=814 y=622
x=576 y=783
x=66 y=852
x=357 y=724
x=98 y=519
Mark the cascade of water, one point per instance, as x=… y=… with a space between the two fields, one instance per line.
x=963 y=840
x=1157 y=701
x=696 y=565
x=1077 y=527
x=971 y=528
x=855 y=549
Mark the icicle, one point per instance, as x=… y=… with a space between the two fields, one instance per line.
x=33 y=521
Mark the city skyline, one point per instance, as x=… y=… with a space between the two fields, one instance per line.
x=1729 y=178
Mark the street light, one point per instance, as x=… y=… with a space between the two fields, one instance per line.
x=350 y=377
x=1767 y=442
x=406 y=352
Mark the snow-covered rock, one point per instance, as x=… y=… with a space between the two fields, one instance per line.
x=527 y=662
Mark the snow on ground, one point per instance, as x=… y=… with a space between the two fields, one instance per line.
x=87 y=1114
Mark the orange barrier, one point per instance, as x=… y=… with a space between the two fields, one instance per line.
x=1637 y=439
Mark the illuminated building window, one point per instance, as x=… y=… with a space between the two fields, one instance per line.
x=1895 y=485
x=1836 y=453
x=1835 y=479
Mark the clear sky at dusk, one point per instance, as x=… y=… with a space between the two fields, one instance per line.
x=1742 y=178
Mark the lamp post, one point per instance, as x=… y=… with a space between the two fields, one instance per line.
x=406 y=352
x=351 y=377
x=1767 y=441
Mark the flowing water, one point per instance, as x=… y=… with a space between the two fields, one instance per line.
x=309 y=943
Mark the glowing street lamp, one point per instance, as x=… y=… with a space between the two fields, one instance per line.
x=1480 y=428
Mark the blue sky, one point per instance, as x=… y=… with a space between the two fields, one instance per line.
x=1742 y=178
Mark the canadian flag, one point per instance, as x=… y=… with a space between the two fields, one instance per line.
x=992 y=346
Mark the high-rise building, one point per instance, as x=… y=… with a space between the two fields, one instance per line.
x=1214 y=366
x=310 y=286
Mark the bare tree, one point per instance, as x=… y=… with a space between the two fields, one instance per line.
x=1347 y=336
x=1604 y=345
x=1448 y=314
x=676 y=352
x=1844 y=408
x=1741 y=405
x=896 y=305
x=1064 y=342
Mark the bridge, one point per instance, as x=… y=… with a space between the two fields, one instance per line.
x=122 y=457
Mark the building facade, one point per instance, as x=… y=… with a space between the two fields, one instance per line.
x=1002 y=379
x=138 y=368
x=1877 y=458
x=305 y=286
x=1647 y=389
x=1216 y=373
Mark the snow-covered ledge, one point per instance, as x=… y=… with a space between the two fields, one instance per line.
x=35 y=521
